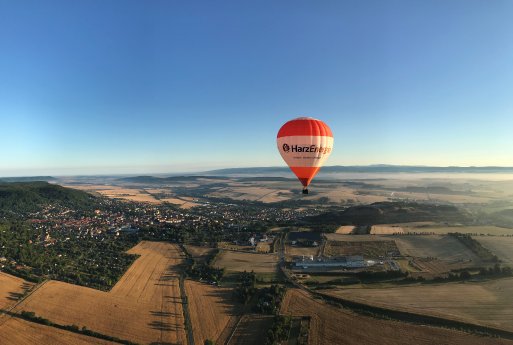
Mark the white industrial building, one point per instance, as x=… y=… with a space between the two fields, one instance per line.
x=355 y=261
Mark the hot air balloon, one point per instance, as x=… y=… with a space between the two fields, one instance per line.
x=304 y=144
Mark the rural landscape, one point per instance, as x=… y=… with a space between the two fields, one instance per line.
x=256 y=172
x=226 y=258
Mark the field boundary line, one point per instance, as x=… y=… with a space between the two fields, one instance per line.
x=413 y=318
x=7 y=312
x=66 y=328
x=185 y=309
x=232 y=333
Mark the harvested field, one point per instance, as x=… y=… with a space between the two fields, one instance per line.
x=345 y=229
x=132 y=194
x=182 y=203
x=500 y=246
x=263 y=247
x=174 y=201
x=369 y=249
x=291 y=251
x=487 y=303
x=252 y=193
x=332 y=325
x=239 y=262
x=11 y=289
x=356 y=238
x=348 y=195
x=211 y=309
x=444 y=248
x=428 y=268
x=276 y=196
x=235 y=247
x=386 y=230
x=251 y=330
x=144 y=306
x=20 y=332
x=148 y=195
x=472 y=230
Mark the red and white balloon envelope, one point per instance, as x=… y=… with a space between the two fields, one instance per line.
x=305 y=143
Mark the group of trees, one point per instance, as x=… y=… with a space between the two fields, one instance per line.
x=21 y=198
x=31 y=316
x=83 y=261
x=269 y=299
x=204 y=272
x=279 y=331
x=202 y=269
x=245 y=289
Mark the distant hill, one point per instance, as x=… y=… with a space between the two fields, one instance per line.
x=381 y=168
x=265 y=179
x=503 y=218
x=392 y=212
x=27 y=179
x=21 y=197
x=153 y=179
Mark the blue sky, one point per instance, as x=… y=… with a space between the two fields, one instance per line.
x=103 y=86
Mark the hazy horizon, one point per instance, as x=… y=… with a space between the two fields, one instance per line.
x=284 y=171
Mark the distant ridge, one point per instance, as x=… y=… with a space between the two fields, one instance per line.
x=21 y=197
x=378 y=168
x=27 y=179
x=153 y=179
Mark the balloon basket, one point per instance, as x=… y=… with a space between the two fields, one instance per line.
x=305 y=191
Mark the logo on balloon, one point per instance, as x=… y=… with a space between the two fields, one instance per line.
x=286 y=148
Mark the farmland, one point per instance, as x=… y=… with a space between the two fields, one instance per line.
x=11 y=289
x=252 y=192
x=369 y=249
x=429 y=255
x=238 y=262
x=292 y=251
x=251 y=330
x=356 y=238
x=130 y=194
x=144 y=306
x=386 y=230
x=345 y=229
x=14 y=331
x=472 y=230
x=211 y=309
x=332 y=325
x=488 y=303
x=500 y=246
x=445 y=248
x=138 y=194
